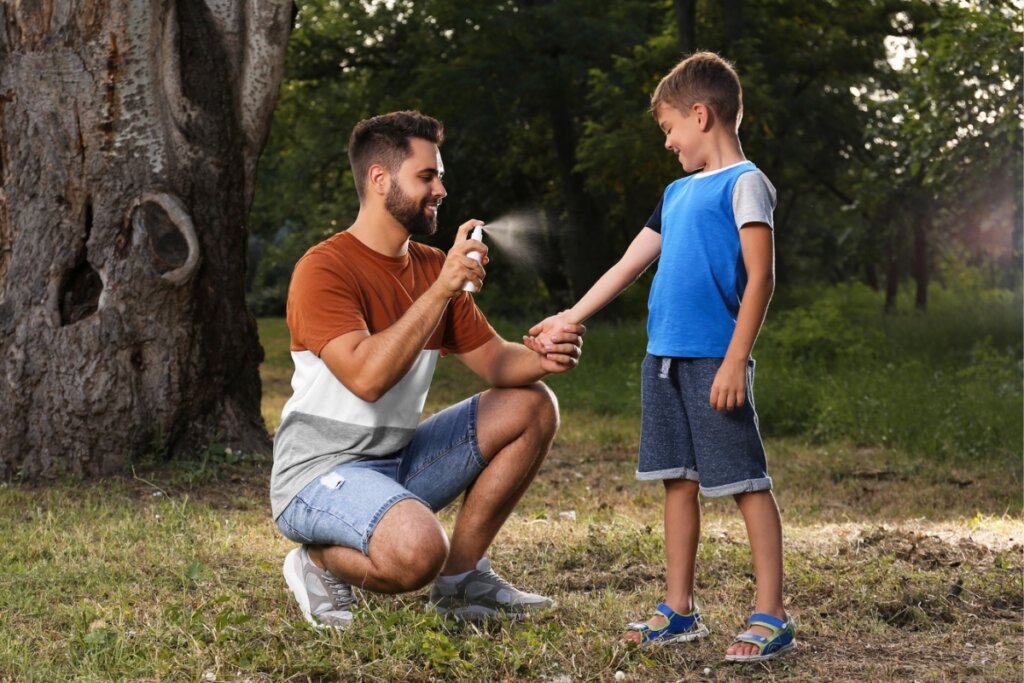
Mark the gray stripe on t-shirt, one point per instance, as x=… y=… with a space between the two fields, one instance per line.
x=308 y=446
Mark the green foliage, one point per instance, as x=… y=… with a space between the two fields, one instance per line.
x=946 y=383
x=169 y=575
x=545 y=106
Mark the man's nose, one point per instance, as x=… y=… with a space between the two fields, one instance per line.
x=439 y=190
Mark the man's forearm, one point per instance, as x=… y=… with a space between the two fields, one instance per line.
x=514 y=366
x=384 y=358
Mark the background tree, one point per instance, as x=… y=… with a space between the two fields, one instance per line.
x=129 y=134
x=545 y=103
x=944 y=134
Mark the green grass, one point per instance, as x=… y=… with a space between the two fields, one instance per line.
x=903 y=563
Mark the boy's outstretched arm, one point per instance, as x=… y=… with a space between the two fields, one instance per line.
x=728 y=391
x=641 y=253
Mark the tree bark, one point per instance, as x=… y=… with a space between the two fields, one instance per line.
x=686 y=25
x=129 y=134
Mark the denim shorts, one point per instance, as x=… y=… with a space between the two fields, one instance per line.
x=344 y=506
x=683 y=437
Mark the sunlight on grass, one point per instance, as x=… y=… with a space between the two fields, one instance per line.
x=895 y=558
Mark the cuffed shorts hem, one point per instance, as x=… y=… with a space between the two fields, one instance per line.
x=747 y=486
x=381 y=511
x=673 y=473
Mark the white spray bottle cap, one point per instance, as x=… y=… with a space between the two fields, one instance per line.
x=478 y=235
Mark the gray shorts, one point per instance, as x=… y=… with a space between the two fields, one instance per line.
x=344 y=506
x=683 y=437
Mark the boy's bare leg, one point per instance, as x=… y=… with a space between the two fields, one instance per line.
x=764 y=530
x=682 y=536
x=515 y=428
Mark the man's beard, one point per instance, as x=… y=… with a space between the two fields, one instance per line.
x=410 y=213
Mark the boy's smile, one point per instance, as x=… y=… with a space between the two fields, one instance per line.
x=682 y=136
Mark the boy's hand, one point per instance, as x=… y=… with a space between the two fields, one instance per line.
x=729 y=390
x=558 y=341
x=541 y=336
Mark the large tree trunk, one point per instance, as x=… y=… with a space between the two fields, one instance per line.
x=129 y=133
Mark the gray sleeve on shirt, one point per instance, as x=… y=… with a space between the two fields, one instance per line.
x=753 y=199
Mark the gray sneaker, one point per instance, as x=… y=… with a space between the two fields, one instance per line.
x=323 y=599
x=483 y=594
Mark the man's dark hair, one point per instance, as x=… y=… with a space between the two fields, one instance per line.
x=384 y=140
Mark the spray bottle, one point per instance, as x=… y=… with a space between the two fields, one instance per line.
x=478 y=235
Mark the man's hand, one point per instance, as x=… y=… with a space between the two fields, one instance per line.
x=539 y=338
x=729 y=390
x=458 y=267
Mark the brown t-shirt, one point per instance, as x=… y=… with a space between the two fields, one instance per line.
x=342 y=286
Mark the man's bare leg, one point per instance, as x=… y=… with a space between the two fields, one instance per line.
x=515 y=429
x=407 y=550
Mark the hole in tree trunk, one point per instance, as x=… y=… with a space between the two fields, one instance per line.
x=80 y=293
x=167 y=244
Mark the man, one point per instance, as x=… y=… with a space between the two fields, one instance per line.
x=356 y=479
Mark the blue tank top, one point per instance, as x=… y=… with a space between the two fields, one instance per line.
x=700 y=280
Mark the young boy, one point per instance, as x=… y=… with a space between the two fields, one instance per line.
x=699 y=434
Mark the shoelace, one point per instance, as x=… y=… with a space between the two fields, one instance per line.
x=343 y=597
x=489 y=574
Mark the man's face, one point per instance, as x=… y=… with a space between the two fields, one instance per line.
x=416 y=191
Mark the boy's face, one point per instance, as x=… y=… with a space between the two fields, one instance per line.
x=682 y=136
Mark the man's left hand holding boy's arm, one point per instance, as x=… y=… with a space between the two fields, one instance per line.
x=729 y=389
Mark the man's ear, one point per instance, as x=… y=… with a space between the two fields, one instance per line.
x=377 y=179
x=704 y=114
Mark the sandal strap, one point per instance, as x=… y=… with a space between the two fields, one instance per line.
x=666 y=611
x=752 y=638
x=769 y=621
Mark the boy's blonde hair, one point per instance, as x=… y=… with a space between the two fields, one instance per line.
x=704 y=78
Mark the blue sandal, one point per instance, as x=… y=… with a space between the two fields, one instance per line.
x=781 y=640
x=678 y=628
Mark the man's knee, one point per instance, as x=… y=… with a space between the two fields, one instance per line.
x=409 y=546
x=543 y=411
x=420 y=561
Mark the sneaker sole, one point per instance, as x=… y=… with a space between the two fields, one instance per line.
x=292 y=571
x=483 y=613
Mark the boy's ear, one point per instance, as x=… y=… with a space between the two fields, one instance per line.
x=703 y=114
